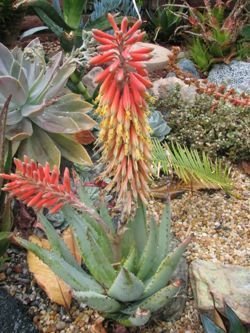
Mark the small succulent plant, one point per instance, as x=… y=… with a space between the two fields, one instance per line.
x=158 y=125
x=129 y=271
x=40 y=121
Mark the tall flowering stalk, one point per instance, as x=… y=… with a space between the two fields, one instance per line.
x=124 y=131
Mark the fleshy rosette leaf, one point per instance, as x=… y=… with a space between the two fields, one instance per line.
x=124 y=131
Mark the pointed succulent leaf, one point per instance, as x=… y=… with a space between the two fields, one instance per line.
x=139 y=228
x=100 y=237
x=126 y=287
x=72 y=12
x=77 y=280
x=131 y=261
x=19 y=131
x=70 y=149
x=14 y=117
x=10 y=84
x=94 y=258
x=4 y=235
x=32 y=110
x=158 y=300
x=148 y=255
x=38 y=89
x=65 y=123
x=6 y=60
x=127 y=240
x=99 y=302
x=18 y=73
x=166 y=269
x=235 y=324
x=57 y=243
x=209 y=326
x=41 y=147
x=140 y=318
x=163 y=239
x=104 y=213
x=59 y=80
x=72 y=103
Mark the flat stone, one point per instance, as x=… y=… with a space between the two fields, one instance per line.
x=163 y=87
x=229 y=283
x=235 y=75
x=89 y=79
x=160 y=56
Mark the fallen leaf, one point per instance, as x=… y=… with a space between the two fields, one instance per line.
x=69 y=239
x=56 y=289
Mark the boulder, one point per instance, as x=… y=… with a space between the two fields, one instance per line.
x=229 y=283
x=13 y=315
x=89 y=79
x=160 y=56
x=235 y=75
x=162 y=87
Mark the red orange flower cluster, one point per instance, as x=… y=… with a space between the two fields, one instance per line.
x=38 y=186
x=124 y=131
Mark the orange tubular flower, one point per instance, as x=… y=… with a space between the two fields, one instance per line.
x=124 y=131
x=39 y=186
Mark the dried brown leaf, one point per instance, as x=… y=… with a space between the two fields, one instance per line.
x=56 y=289
x=69 y=240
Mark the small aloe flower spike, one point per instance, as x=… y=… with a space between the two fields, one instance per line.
x=124 y=131
x=39 y=187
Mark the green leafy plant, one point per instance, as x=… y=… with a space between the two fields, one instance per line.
x=200 y=55
x=217 y=30
x=222 y=132
x=190 y=166
x=165 y=19
x=40 y=122
x=128 y=275
x=224 y=322
x=10 y=21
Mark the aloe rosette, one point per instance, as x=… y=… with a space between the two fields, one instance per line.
x=124 y=135
x=41 y=122
x=129 y=273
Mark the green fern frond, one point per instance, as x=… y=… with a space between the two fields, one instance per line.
x=190 y=166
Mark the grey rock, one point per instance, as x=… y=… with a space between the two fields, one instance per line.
x=13 y=316
x=229 y=283
x=235 y=75
x=188 y=66
x=89 y=79
x=159 y=58
x=163 y=87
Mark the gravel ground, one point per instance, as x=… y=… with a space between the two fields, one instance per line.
x=221 y=226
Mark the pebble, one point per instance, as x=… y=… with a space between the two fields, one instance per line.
x=60 y=325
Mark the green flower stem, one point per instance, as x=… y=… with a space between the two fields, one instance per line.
x=82 y=89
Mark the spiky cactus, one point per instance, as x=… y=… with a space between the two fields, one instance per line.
x=129 y=272
x=10 y=20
